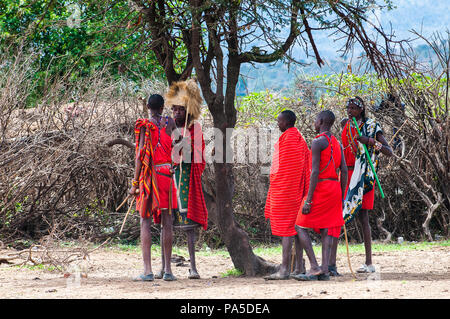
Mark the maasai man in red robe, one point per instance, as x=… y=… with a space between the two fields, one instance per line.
x=322 y=209
x=360 y=195
x=289 y=178
x=152 y=184
x=185 y=100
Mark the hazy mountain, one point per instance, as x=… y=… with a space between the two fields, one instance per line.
x=425 y=17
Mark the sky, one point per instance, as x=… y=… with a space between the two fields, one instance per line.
x=424 y=16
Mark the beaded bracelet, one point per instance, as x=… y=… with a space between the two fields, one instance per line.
x=378 y=145
x=134 y=182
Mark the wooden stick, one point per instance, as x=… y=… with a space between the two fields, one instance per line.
x=124 y=201
x=170 y=190
x=348 y=253
x=129 y=209
x=397 y=131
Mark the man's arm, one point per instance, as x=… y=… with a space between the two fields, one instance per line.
x=317 y=146
x=138 y=164
x=344 y=173
x=385 y=149
x=383 y=146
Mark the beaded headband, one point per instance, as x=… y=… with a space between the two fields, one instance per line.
x=355 y=101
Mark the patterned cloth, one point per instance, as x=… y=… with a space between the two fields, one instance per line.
x=147 y=202
x=180 y=215
x=153 y=185
x=289 y=182
x=326 y=208
x=362 y=179
x=192 y=180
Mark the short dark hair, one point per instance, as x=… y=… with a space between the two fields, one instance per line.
x=328 y=117
x=290 y=117
x=155 y=102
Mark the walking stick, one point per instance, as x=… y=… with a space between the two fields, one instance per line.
x=129 y=209
x=181 y=157
x=369 y=159
x=124 y=201
x=170 y=190
x=348 y=253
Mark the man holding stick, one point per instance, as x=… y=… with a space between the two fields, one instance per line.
x=185 y=100
x=152 y=184
x=361 y=178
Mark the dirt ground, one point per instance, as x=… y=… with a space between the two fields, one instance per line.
x=401 y=274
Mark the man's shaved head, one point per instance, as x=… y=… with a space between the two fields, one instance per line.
x=290 y=117
x=327 y=117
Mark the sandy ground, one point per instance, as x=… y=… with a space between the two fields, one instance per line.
x=401 y=274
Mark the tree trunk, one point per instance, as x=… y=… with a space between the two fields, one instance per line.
x=235 y=238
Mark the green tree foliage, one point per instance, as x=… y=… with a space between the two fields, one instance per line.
x=73 y=39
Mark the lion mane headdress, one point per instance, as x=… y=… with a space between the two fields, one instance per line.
x=187 y=94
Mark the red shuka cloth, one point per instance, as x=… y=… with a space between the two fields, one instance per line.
x=350 y=144
x=153 y=187
x=289 y=182
x=196 y=202
x=326 y=207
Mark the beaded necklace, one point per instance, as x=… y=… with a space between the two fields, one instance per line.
x=352 y=143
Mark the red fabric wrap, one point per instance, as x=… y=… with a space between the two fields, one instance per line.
x=289 y=182
x=326 y=207
x=350 y=145
x=147 y=202
x=164 y=183
x=196 y=202
x=157 y=149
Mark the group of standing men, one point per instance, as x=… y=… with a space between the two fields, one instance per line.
x=318 y=189
x=167 y=185
x=323 y=188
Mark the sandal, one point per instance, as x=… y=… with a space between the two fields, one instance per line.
x=169 y=277
x=295 y=273
x=142 y=277
x=193 y=276
x=333 y=271
x=366 y=269
x=277 y=276
x=323 y=277
x=305 y=277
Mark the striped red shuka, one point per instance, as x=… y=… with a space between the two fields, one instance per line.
x=289 y=182
x=147 y=202
x=196 y=202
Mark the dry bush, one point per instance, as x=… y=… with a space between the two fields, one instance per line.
x=55 y=165
x=64 y=162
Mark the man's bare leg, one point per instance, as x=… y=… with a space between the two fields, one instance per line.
x=146 y=245
x=333 y=254
x=160 y=273
x=286 y=244
x=167 y=234
x=363 y=218
x=193 y=273
x=307 y=246
x=299 y=262
x=326 y=245
x=285 y=267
